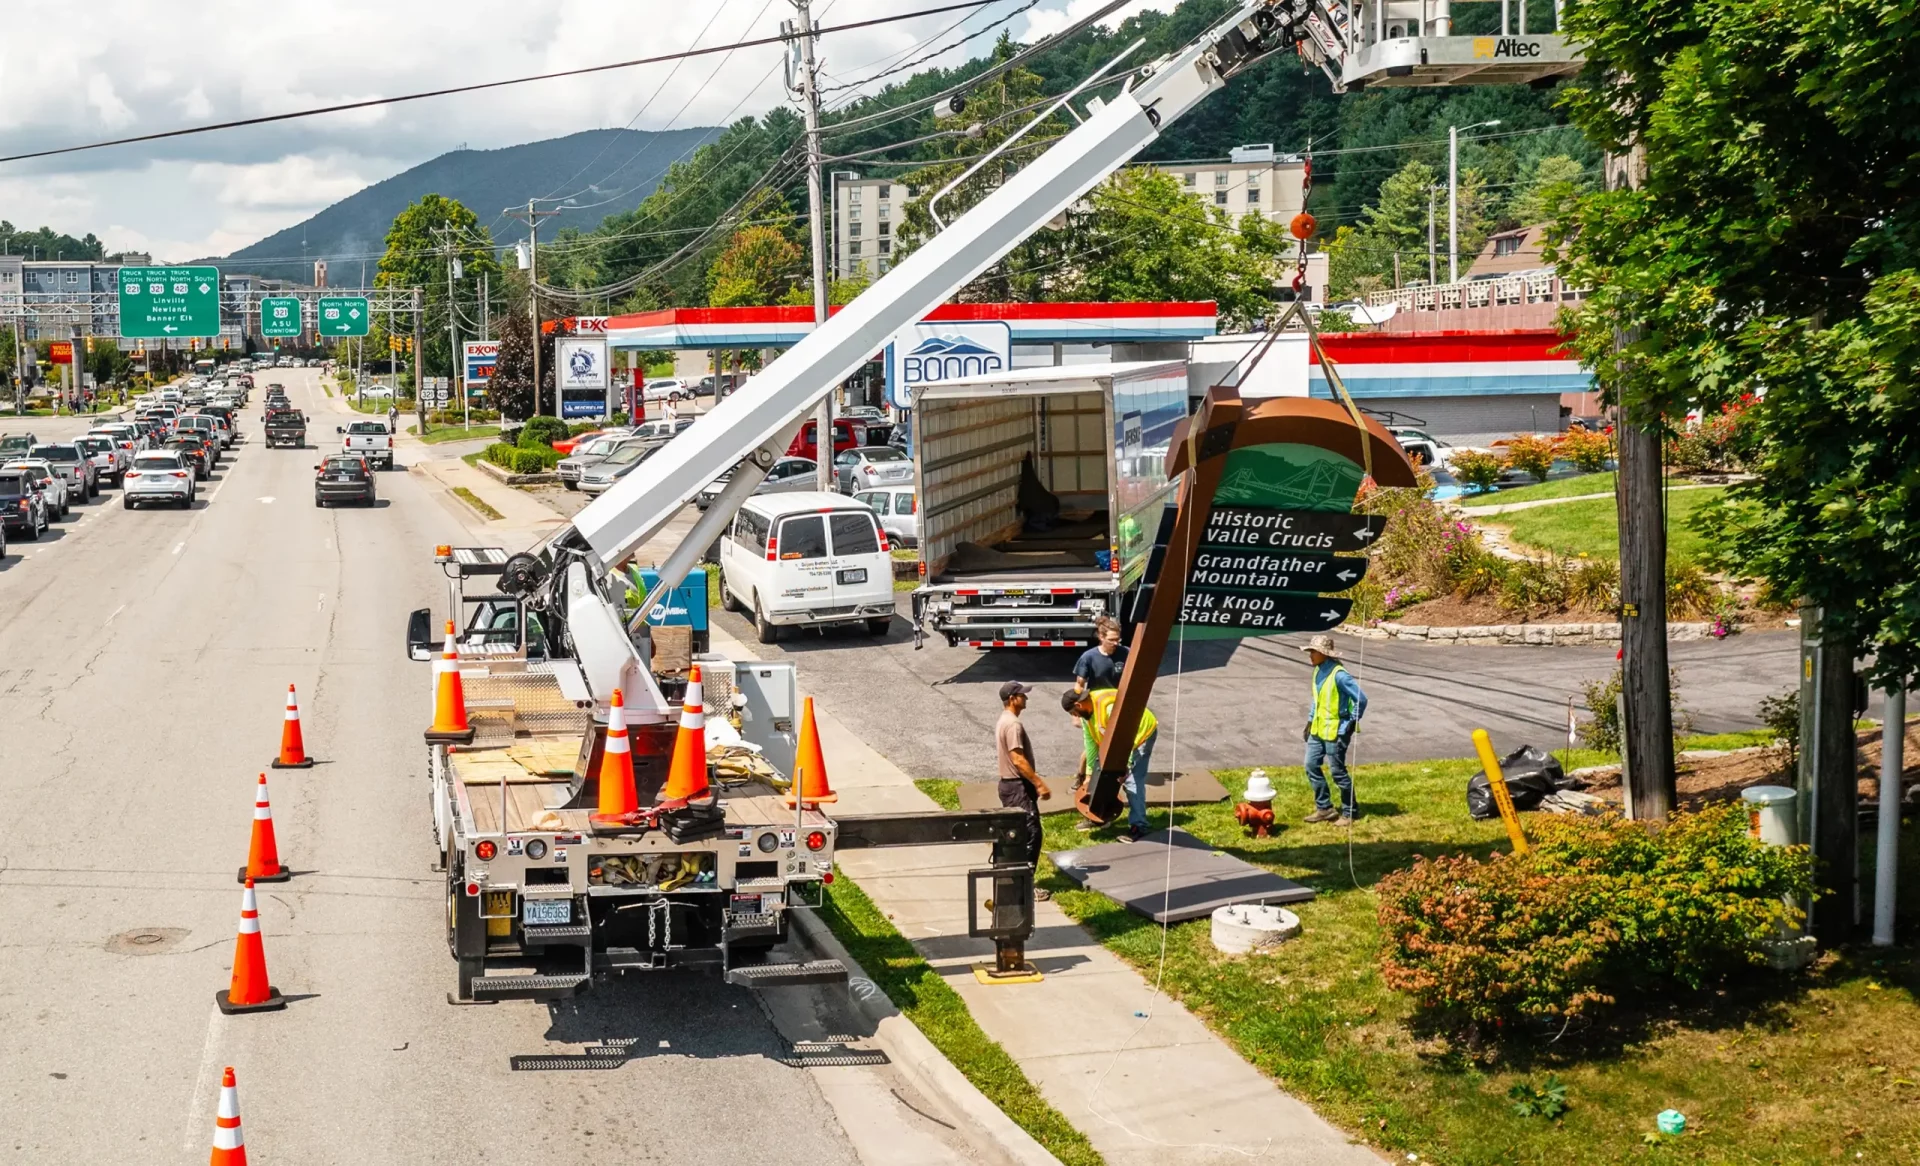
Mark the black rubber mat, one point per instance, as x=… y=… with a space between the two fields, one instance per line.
x=1171 y=877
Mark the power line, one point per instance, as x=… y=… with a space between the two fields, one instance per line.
x=379 y=101
x=925 y=57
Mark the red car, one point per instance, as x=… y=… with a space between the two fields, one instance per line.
x=848 y=433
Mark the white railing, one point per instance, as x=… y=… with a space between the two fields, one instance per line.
x=1521 y=287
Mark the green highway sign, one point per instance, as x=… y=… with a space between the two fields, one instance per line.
x=344 y=316
x=280 y=316
x=164 y=303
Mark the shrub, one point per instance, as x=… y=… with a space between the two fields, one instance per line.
x=1532 y=455
x=1478 y=571
x=500 y=454
x=1587 y=449
x=1601 y=697
x=534 y=461
x=1533 y=585
x=541 y=431
x=1477 y=468
x=1690 y=592
x=1594 y=584
x=1782 y=715
x=1600 y=907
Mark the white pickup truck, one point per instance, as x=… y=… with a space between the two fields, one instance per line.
x=371 y=440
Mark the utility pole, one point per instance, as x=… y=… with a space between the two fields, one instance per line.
x=1433 y=254
x=419 y=386
x=809 y=94
x=453 y=333
x=1826 y=781
x=1453 y=195
x=531 y=218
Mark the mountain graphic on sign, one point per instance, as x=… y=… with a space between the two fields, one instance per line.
x=951 y=346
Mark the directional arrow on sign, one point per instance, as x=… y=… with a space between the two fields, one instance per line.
x=169 y=328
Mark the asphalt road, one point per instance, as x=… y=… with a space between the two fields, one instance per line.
x=1237 y=703
x=144 y=657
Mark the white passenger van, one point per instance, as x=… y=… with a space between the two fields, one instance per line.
x=807 y=559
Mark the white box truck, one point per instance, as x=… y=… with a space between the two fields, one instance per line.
x=1041 y=491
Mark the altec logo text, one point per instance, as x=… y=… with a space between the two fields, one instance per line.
x=1487 y=48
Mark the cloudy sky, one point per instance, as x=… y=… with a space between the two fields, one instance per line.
x=116 y=68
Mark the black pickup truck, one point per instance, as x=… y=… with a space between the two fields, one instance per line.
x=286 y=427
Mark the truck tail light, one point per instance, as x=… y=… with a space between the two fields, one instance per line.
x=484 y=850
x=816 y=840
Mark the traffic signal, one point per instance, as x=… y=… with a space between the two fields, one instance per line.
x=400 y=344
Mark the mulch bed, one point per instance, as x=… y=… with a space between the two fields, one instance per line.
x=1708 y=780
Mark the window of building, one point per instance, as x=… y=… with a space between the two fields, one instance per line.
x=1506 y=246
x=1253 y=196
x=1220 y=198
x=886 y=192
x=853 y=230
x=886 y=246
x=853 y=194
x=883 y=267
x=73 y=277
x=883 y=214
x=1220 y=178
x=1188 y=178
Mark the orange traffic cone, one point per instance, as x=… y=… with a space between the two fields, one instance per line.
x=250 y=991
x=617 y=793
x=809 y=764
x=263 y=854
x=293 y=747
x=229 y=1148
x=450 y=725
x=688 y=776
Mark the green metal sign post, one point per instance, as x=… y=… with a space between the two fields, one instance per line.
x=165 y=303
x=344 y=316
x=280 y=316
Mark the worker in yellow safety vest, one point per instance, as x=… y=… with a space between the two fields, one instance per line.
x=1095 y=710
x=1338 y=705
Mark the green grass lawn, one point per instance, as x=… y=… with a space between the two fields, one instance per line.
x=1771 y=1071
x=1592 y=527
x=455 y=433
x=1558 y=488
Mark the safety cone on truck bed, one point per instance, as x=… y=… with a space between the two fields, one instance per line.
x=250 y=991
x=450 y=726
x=688 y=776
x=263 y=853
x=617 y=793
x=809 y=764
x=229 y=1148
x=293 y=747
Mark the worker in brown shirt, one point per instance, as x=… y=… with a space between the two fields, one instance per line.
x=1020 y=784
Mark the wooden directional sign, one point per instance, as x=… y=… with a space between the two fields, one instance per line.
x=1274 y=570
x=280 y=316
x=169 y=302
x=1260 y=612
x=1270 y=528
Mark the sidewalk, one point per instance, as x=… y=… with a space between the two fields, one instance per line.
x=1140 y=1076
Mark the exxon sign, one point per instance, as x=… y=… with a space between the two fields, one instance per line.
x=922 y=353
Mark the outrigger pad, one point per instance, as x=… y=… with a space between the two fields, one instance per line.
x=1191 y=882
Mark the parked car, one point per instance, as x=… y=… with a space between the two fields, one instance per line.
x=667 y=389
x=42 y=475
x=870 y=466
x=600 y=477
x=343 y=478
x=662 y=430
x=848 y=433
x=83 y=481
x=22 y=507
x=586 y=456
x=807 y=559
x=899 y=512
x=110 y=462
x=159 y=476
x=788 y=475
x=568 y=445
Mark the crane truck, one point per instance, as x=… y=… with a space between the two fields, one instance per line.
x=540 y=898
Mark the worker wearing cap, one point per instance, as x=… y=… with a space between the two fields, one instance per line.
x=1095 y=711
x=1021 y=787
x=1338 y=705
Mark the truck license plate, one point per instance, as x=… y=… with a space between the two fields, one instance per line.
x=1016 y=634
x=546 y=911
x=852 y=575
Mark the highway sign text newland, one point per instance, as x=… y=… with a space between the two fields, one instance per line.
x=169 y=302
x=343 y=316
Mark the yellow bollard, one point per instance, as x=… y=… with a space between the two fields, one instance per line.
x=1498 y=781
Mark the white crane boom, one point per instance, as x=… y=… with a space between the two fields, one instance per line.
x=769 y=403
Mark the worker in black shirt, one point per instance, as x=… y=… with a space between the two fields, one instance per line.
x=1100 y=666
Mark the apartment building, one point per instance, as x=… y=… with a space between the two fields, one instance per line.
x=1251 y=180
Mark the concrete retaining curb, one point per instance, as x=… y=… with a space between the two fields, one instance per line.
x=1539 y=635
x=509 y=479
x=914 y=1055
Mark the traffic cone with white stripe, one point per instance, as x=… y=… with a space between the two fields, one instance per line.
x=229 y=1148
x=293 y=747
x=688 y=776
x=809 y=764
x=617 y=793
x=450 y=725
x=263 y=853
x=250 y=991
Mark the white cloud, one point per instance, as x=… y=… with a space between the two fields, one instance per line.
x=1045 y=22
x=119 y=68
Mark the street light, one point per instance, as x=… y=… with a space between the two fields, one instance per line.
x=1453 y=195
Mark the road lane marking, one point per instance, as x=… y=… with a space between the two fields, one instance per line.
x=178 y=547
x=200 y=1104
x=116 y=612
x=268 y=499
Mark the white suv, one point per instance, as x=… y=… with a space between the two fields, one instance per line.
x=807 y=559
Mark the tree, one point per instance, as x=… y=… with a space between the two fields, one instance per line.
x=1548 y=183
x=510 y=391
x=419 y=243
x=1360 y=257
x=1772 y=247
x=1143 y=237
x=840 y=292
x=758 y=266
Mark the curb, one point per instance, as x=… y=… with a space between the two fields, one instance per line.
x=1537 y=635
x=916 y=1057
x=507 y=479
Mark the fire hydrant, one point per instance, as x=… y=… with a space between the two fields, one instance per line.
x=1255 y=814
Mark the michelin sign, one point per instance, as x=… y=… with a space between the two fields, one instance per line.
x=922 y=353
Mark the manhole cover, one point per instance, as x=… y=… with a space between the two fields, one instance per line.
x=146 y=940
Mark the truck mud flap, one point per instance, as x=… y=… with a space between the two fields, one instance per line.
x=789 y=975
